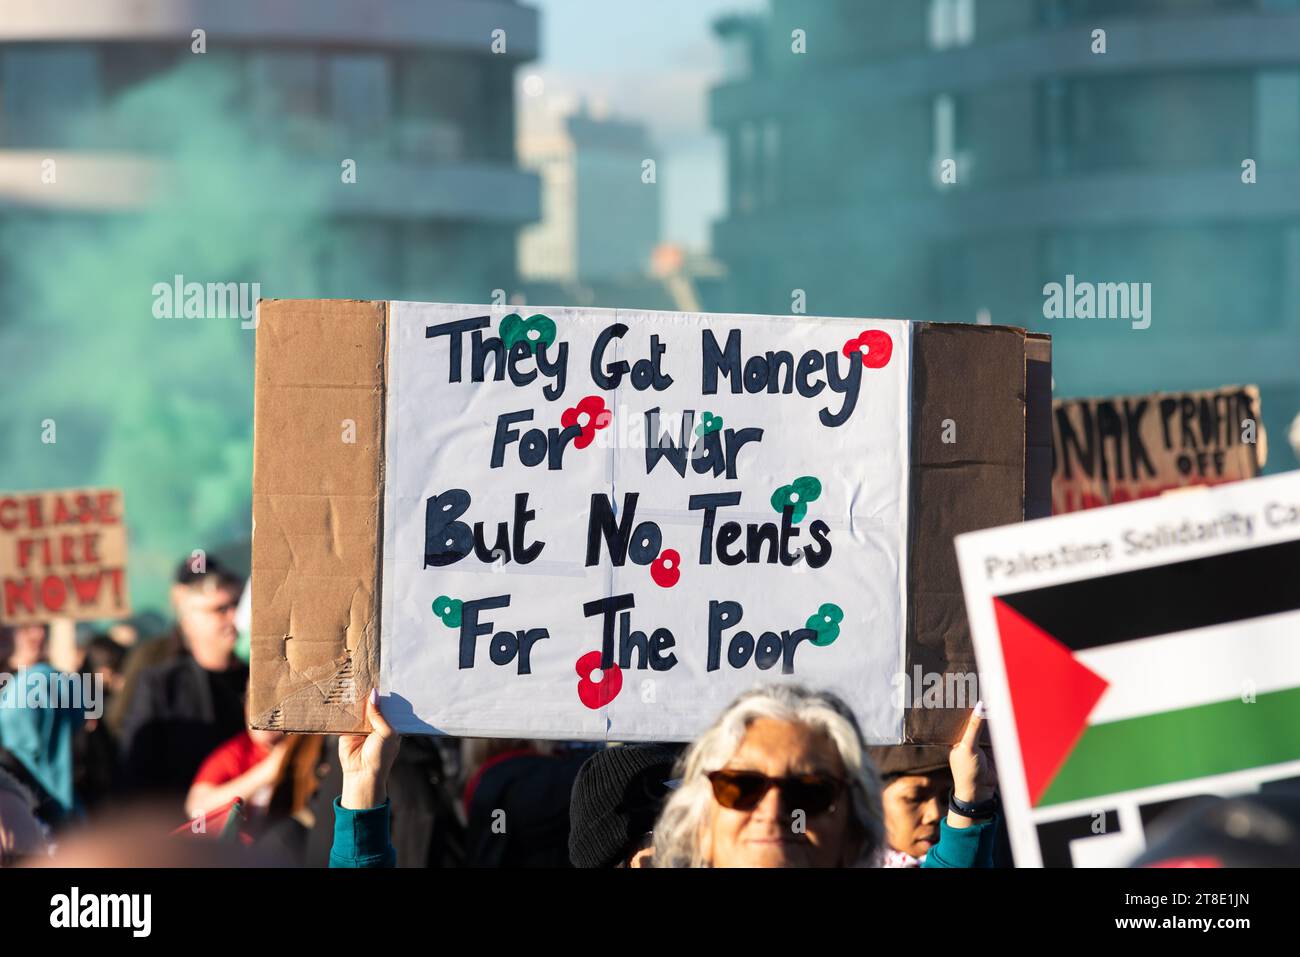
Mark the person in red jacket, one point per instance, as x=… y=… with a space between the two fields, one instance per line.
x=245 y=766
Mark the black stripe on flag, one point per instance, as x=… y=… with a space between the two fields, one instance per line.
x=1166 y=598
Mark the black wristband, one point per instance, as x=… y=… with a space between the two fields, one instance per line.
x=978 y=811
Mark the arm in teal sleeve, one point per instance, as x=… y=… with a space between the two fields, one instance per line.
x=963 y=846
x=361 y=838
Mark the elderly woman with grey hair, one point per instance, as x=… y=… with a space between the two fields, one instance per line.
x=782 y=779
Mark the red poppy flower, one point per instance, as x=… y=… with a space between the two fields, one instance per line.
x=878 y=348
x=667 y=568
x=590 y=414
x=597 y=694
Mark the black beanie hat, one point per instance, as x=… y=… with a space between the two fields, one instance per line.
x=616 y=798
x=898 y=760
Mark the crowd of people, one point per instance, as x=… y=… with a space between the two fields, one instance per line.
x=159 y=746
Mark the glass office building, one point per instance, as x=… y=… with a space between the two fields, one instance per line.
x=947 y=159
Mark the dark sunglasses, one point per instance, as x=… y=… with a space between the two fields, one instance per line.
x=743 y=790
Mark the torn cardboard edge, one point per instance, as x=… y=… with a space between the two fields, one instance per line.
x=318 y=470
x=318 y=500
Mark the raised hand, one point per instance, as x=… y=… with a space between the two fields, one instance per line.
x=367 y=759
x=973 y=776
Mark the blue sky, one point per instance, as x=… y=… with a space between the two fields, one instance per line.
x=652 y=61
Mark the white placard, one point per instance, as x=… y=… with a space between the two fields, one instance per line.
x=1136 y=655
x=798 y=398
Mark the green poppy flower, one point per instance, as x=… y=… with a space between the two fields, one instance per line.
x=826 y=623
x=708 y=423
x=797 y=494
x=535 y=330
x=448 y=609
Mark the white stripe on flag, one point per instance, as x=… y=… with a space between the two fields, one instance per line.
x=1200 y=666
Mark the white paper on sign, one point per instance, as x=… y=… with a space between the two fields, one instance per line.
x=493 y=639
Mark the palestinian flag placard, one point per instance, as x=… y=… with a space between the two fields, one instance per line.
x=1139 y=651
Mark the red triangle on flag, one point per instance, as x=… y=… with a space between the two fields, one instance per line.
x=1052 y=695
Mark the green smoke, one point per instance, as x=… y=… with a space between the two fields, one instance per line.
x=161 y=407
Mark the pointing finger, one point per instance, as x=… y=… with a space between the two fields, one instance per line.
x=974 y=724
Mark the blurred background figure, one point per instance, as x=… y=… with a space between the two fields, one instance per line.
x=95 y=753
x=22 y=835
x=106 y=657
x=517 y=802
x=274 y=774
x=246 y=766
x=198 y=600
x=1252 y=830
x=21 y=646
x=178 y=712
x=140 y=836
x=37 y=723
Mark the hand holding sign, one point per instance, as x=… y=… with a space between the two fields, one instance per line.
x=367 y=759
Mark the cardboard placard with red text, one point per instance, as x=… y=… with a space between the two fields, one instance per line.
x=62 y=555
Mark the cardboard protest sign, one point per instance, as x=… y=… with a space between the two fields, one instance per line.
x=1135 y=656
x=599 y=524
x=62 y=555
x=1120 y=448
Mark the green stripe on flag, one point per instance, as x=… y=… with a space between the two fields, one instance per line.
x=1180 y=745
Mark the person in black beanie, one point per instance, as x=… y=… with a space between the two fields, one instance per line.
x=616 y=797
x=916 y=781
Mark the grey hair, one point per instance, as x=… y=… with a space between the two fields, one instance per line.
x=687 y=810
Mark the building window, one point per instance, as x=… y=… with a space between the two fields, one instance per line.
x=285 y=91
x=952 y=23
x=361 y=94
x=1277 y=117
x=126 y=64
x=285 y=81
x=49 y=94
x=445 y=106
